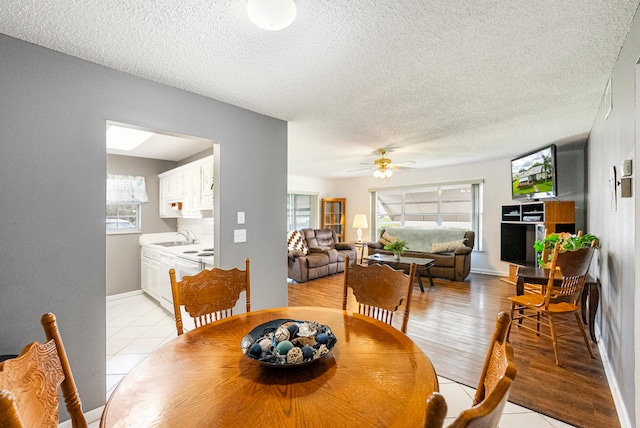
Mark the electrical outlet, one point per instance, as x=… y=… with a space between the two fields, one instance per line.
x=240 y=235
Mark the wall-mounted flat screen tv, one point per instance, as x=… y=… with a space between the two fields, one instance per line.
x=534 y=174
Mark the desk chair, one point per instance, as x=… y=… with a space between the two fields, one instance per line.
x=559 y=302
x=492 y=393
x=29 y=384
x=379 y=290
x=209 y=295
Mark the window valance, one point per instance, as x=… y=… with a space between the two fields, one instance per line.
x=126 y=189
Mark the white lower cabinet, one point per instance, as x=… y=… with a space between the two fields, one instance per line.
x=154 y=276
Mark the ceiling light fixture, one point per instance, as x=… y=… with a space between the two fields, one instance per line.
x=383 y=172
x=272 y=15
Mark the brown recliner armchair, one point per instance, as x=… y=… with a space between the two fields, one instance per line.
x=321 y=255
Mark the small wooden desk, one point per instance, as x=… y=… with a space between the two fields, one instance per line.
x=590 y=294
x=374 y=376
x=404 y=263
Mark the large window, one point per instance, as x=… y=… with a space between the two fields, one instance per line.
x=447 y=205
x=301 y=211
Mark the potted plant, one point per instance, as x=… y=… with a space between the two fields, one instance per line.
x=398 y=247
x=568 y=242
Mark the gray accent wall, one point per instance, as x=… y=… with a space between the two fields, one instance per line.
x=612 y=140
x=53 y=110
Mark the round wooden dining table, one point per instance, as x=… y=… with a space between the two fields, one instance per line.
x=375 y=376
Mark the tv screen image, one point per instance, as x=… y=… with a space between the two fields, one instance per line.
x=533 y=175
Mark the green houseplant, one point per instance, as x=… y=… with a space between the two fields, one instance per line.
x=568 y=242
x=398 y=247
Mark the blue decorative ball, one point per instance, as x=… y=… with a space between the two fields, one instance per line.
x=307 y=352
x=293 y=330
x=322 y=338
x=255 y=350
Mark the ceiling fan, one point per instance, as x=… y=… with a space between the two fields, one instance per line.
x=383 y=168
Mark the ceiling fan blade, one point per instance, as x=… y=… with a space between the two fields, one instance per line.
x=361 y=169
x=402 y=168
x=407 y=161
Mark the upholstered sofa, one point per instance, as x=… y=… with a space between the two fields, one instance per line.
x=314 y=253
x=449 y=248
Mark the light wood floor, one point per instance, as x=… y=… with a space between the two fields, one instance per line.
x=453 y=322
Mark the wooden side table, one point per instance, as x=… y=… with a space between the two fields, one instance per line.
x=360 y=245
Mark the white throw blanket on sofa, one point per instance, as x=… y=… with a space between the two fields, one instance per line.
x=423 y=239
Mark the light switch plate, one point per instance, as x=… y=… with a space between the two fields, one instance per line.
x=240 y=235
x=240 y=217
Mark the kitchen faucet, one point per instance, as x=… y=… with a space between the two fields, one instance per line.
x=187 y=234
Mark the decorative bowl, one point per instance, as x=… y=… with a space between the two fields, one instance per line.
x=288 y=343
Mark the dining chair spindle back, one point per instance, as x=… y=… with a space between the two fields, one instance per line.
x=379 y=290
x=561 y=299
x=210 y=295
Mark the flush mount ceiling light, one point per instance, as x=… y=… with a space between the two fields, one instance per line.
x=272 y=15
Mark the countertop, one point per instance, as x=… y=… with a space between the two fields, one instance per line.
x=186 y=251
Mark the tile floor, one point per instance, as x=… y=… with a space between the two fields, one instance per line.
x=137 y=325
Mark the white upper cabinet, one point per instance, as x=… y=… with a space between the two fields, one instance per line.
x=187 y=190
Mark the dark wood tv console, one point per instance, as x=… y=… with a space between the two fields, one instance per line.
x=522 y=224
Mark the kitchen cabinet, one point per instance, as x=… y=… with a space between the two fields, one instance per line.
x=150 y=272
x=191 y=191
x=334 y=216
x=206 y=191
x=187 y=190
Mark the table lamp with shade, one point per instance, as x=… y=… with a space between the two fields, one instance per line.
x=360 y=222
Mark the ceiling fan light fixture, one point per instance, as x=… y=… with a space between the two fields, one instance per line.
x=272 y=15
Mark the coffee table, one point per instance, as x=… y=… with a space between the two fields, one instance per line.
x=404 y=263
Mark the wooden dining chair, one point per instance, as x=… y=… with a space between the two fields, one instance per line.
x=209 y=295
x=560 y=301
x=379 y=290
x=491 y=396
x=29 y=384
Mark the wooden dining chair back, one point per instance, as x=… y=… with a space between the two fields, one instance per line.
x=541 y=289
x=567 y=277
x=209 y=295
x=491 y=396
x=379 y=290
x=29 y=384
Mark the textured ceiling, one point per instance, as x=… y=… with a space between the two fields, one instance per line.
x=437 y=82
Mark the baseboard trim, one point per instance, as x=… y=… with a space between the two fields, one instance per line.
x=623 y=414
x=489 y=272
x=124 y=295
x=91 y=416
